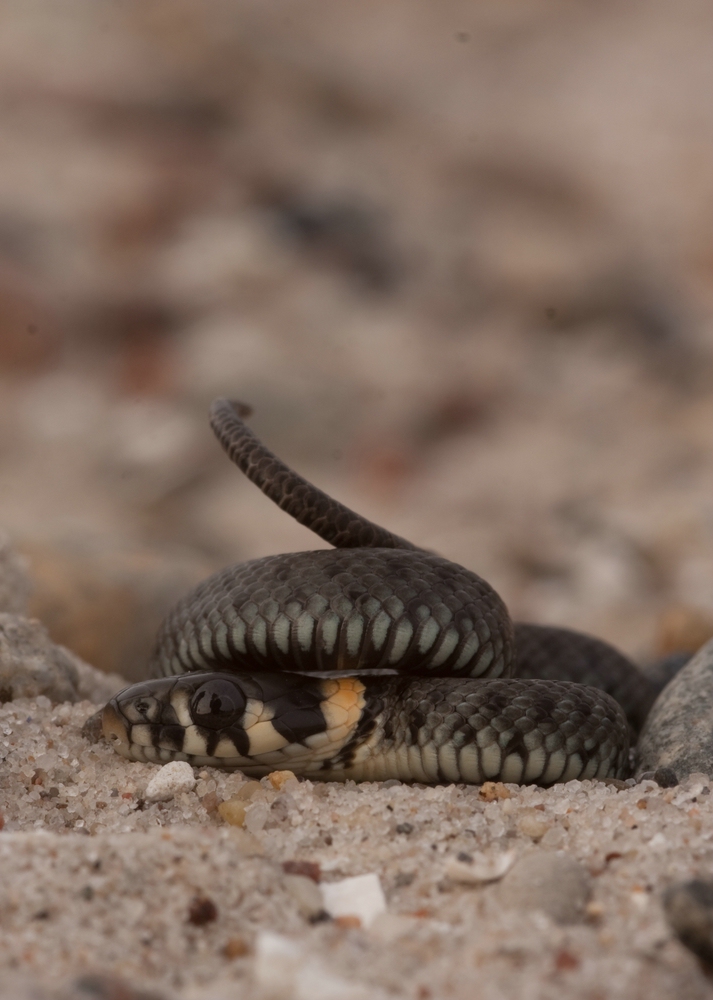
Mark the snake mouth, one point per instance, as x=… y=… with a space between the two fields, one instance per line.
x=115 y=730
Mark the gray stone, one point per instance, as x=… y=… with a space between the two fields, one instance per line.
x=31 y=664
x=678 y=733
x=551 y=881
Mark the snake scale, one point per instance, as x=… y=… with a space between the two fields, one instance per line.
x=372 y=660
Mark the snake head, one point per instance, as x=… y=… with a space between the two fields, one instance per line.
x=135 y=709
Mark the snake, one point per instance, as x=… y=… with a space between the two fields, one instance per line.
x=370 y=661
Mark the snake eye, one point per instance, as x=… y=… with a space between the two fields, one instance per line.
x=217 y=704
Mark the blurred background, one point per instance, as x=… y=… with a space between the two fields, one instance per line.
x=458 y=257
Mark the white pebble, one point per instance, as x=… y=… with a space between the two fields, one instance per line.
x=361 y=896
x=170 y=780
x=481 y=869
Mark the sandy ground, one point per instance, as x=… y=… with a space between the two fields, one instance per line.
x=97 y=879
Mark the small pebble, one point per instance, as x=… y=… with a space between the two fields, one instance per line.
x=310 y=869
x=256 y=815
x=169 y=781
x=551 y=881
x=248 y=790
x=480 y=868
x=236 y=947
x=533 y=824
x=492 y=790
x=665 y=777
x=232 y=811
x=306 y=894
x=202 y=911
x=278 y=778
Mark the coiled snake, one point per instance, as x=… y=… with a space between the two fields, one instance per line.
x=370 y=661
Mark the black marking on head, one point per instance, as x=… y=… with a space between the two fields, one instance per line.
x=297 y=724
x=168 y=715
x=237 y=734
x=168 y=737
x=217 y=704
x=301 y=690
x=297 y=710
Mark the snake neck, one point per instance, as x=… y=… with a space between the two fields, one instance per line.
x=326 y=517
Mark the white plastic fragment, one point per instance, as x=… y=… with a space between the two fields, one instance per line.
x=481 y=869
x=360 y=896
x=170 y=780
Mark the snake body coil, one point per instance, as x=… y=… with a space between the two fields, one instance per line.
x=373 y=660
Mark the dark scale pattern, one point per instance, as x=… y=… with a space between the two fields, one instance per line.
x=513 y=715
x=561 y=654
x=340 y=610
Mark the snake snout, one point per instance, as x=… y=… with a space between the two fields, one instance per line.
x=115 y=729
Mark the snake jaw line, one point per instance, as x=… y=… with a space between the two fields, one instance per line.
x=115 y=730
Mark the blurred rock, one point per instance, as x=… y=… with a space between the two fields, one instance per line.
x=95 y=986
x=689 y=910
x=29 y=338
x=15 y=586
x=682 y=629
x=31 y=665
x=662 y=671
x=551 y=881
x=678 y=733
x=106 y=603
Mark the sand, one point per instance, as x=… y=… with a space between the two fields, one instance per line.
x=171 y=898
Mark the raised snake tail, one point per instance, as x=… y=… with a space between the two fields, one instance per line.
x=326 y=517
